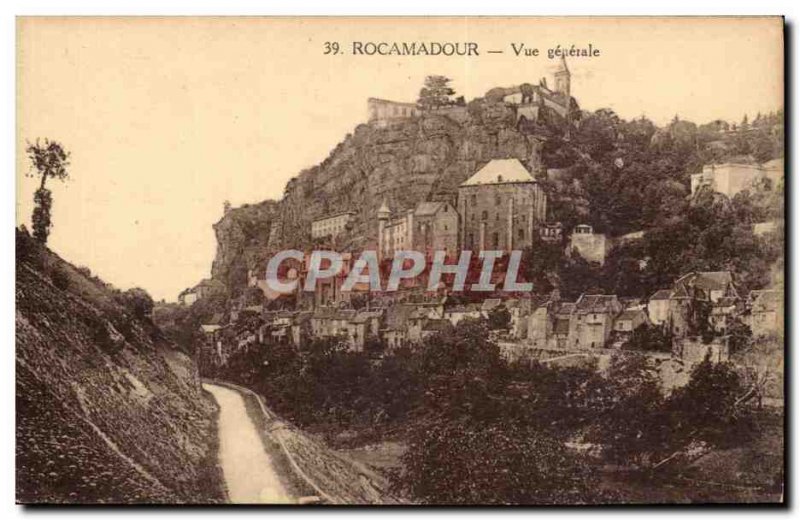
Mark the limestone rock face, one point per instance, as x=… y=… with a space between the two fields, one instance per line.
x=406 y=162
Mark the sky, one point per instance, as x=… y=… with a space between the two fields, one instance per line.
x=167 y=118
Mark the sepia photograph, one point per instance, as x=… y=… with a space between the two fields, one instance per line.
x=400 y=261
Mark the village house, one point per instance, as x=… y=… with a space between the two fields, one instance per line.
x=300 y=329
x=592 y=321
x=713 y=287
x=395 y=327
x=624 y=325
x=455 y=313
x=501 y=207
x=187 y=297
x=766 y=312
x=733 y=177
x=658 y=306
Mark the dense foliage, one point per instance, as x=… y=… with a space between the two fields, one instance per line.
x=48 y=159
x=466 y=411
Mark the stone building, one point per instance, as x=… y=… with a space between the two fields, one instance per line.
x=766 y=312
x=588 y=244
x=435 y=228
x=592 y=321
x=429 y=227
x=530 y=99
x=331 y=225
x=732 y=178
x=658 y=306
x=382 y=111
x=716 y=288
x=501 y=207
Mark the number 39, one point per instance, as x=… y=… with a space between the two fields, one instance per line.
x=331 y=48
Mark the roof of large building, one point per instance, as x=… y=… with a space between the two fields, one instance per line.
x=500 y=171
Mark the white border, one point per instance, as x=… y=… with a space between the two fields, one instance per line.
x=341 y=7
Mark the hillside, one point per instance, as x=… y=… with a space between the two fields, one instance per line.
x=107 y=410
x=618 y=176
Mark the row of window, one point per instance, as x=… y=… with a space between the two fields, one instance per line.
x=494 y=241
x=498 y=199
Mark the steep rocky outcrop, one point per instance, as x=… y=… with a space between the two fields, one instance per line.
x=244 y=236
x=404 y=163
x=107 y=410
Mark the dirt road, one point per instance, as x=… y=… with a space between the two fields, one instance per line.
x=248 y=470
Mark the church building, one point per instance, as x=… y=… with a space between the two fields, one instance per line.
x=501 y=207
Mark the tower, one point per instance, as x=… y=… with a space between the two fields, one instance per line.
x=383 y=218
x=562 y=78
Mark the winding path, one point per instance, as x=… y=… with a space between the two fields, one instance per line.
x=248 y=470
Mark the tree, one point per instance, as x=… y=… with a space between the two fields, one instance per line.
x=647 y=337
x=138 y=301
x=499 y=318
x=710 y=408
x=50 y=160
x=436 y=93
x=630 y=424
x=460 y=462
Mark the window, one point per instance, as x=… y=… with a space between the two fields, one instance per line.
x=521 y=234
x=496 y=240
x=473 y=199
x=485 y=215
x=497 y=200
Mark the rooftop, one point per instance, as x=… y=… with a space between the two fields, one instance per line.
x=500 y=171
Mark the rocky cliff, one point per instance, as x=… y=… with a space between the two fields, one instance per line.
x=406 y=162
x=107 y=410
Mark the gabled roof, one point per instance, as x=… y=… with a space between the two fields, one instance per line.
x=661 y=294
x=707 y=280
x=425 y=209
x=500 y=171
x=629 y=314
x=596 y=302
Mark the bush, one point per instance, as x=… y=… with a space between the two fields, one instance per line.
x=60 y=279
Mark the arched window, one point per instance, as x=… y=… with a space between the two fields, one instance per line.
x=521 y=234
x=485 y=215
